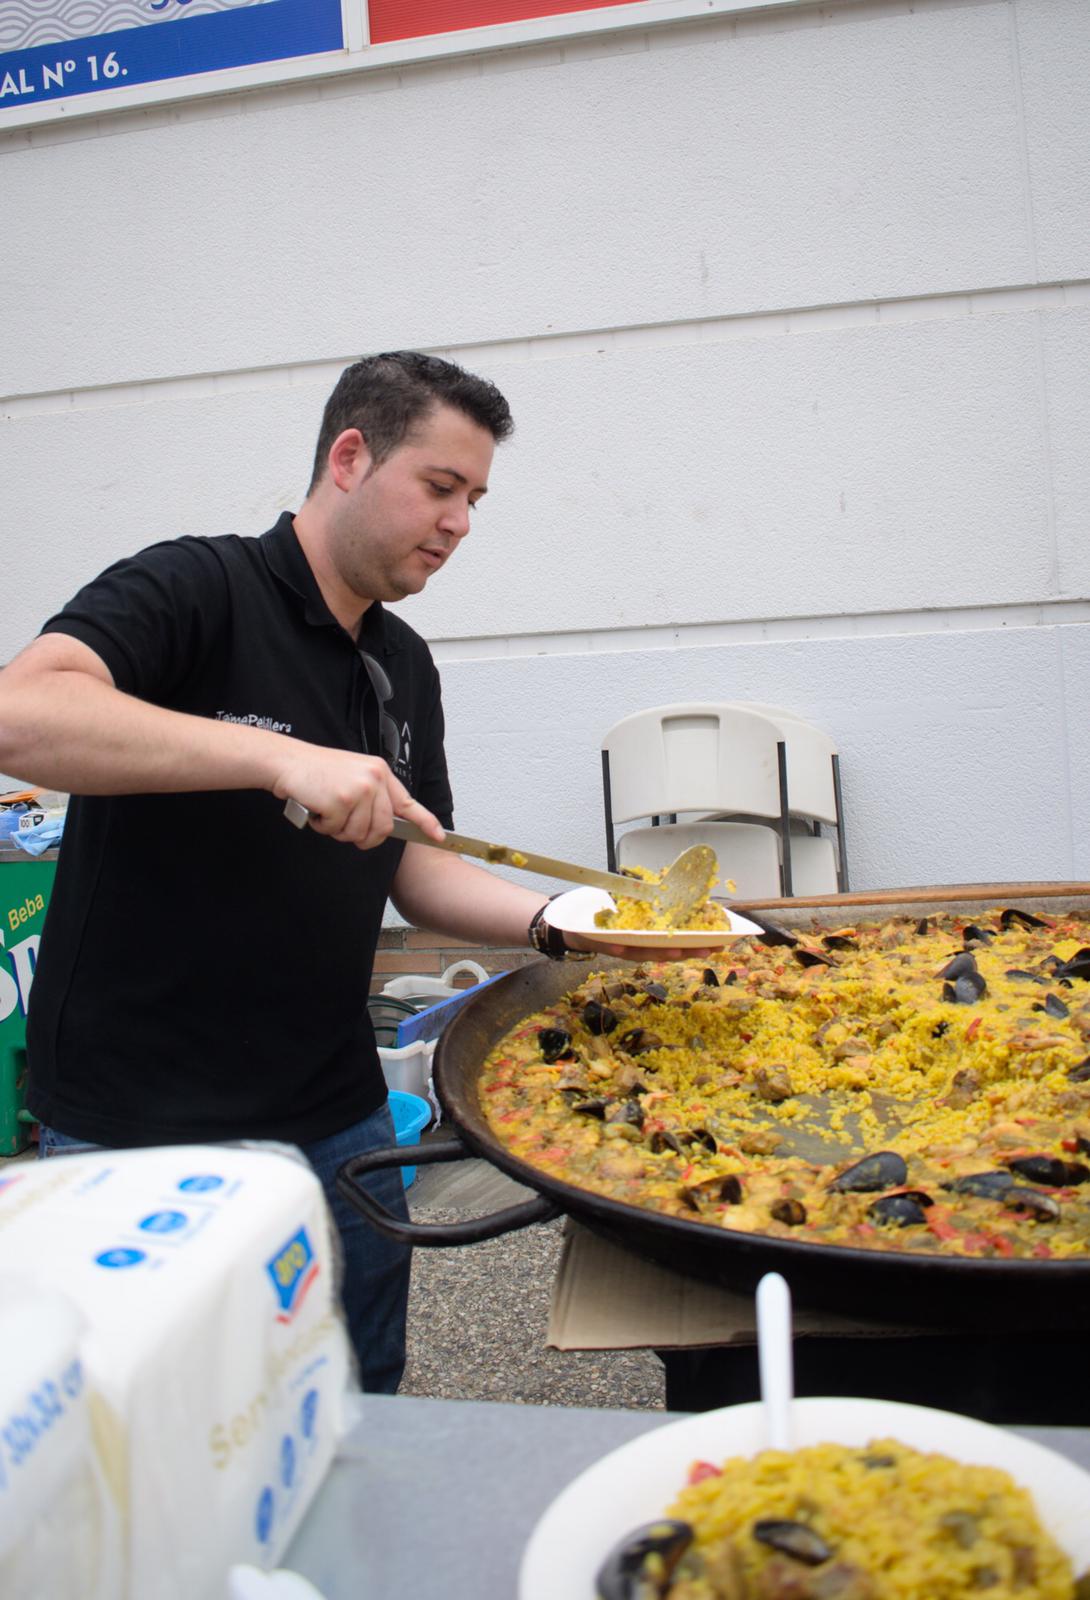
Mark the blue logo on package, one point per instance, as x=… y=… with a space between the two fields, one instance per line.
x=201 y=1183
x=264 y=1519
x=292 y=1269
x=120 y=1258
x=164 y=1222
x=287 y=1461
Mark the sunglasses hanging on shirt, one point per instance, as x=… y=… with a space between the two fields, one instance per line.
x=389 y=736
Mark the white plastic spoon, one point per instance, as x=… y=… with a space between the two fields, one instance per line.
x=774 y=1356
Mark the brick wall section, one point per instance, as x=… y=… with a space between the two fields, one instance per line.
x=414 y=950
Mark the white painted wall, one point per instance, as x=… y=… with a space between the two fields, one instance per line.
x=793 y=311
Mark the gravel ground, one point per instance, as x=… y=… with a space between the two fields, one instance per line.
x=478 y=1317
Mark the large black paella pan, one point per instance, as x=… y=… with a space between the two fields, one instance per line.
x=895 y=1286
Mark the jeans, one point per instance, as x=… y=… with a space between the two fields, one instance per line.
x=375 y=1270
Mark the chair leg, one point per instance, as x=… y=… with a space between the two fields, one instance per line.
x=611 y=843
x=841 y=841
x=785 y=818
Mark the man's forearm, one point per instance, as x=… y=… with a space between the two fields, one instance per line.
x=445 y=894
x=64 y=725
x=67 y=730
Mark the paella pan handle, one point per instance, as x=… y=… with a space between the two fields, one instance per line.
x=472 y=1231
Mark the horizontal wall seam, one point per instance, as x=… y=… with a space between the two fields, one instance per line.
x=767 y=630
x=552 y=344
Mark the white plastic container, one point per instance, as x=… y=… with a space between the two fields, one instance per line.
x=409 y=1068
x=415 y=985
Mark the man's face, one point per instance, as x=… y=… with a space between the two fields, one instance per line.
x=401 y=521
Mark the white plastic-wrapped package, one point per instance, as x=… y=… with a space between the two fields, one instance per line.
x=60 y=1536
x=213 y=1351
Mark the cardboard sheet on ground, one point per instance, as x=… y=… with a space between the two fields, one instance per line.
x=606 y=1298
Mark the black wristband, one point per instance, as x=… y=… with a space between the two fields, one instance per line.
x=544 y=938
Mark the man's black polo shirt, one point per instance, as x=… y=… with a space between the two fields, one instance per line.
x=204 y=966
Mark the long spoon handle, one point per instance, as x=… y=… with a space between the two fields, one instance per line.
x=774 y=1355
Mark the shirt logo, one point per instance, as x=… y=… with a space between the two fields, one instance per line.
x=402 y=763
x=252 y=720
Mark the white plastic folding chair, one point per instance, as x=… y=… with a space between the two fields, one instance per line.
x=812 y=782
x=669 y=759
x=701 y=758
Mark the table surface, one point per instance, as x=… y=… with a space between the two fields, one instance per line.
x=438 y=1497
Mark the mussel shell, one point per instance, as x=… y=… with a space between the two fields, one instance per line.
x=793 y=1539
x=1024 y=976
x=641 y=1566
x=964 y=962
x=839 y=941
x=1049 y=1170
x=710 y=979
x=1031 y=1200
x=1026 y=918
x=883 y=1170
x=1077 y=967
x=972 y=934
x=812 y=958
x=590 y=1108
x=791 y=1212
x=599 y=1019
x=637 y=1042
x=966 y=990
x=1080 y=1072
x=987 y=1185
x=629 y=1111
x=554 y=1044
x=900 y=1210
x=662 y=1139
x=1053 y=1005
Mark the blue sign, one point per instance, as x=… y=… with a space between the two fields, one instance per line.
x=169 y=41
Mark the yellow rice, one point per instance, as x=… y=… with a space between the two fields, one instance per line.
x=908 y=1525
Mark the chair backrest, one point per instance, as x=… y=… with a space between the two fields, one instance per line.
x=692 y=757
x=811 y=785
x=748 y=853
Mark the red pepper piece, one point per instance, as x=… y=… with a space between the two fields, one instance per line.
x=703 y=1469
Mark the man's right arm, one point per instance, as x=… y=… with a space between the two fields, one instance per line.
x=65 y=725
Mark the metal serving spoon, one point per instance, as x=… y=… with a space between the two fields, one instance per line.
x=677 y=893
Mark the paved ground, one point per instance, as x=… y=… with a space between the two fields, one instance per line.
x=478 y=1314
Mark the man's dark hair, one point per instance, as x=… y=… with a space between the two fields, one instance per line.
x=385 y=395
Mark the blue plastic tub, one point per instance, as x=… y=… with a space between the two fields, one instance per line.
x=411 y=1116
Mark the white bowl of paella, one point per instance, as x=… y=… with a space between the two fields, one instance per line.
x=876 y=1501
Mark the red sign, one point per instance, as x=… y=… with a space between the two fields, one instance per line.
x=411 y=19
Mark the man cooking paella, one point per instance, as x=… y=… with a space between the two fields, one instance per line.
x=181 y=697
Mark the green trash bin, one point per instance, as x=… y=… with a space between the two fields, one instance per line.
x=25 y=886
